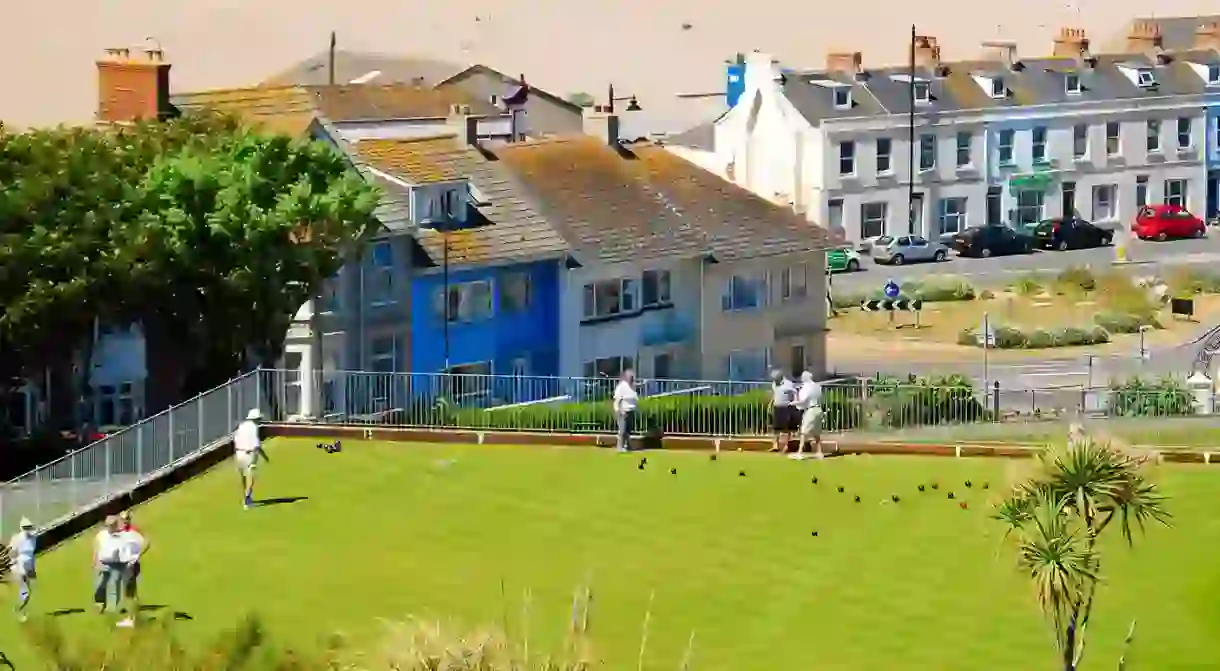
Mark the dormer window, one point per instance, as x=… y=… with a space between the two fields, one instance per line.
x=1144 y=78
x=921 y=93
x=842 y=96
x=997 y=88
x=1071 y=84
x=1213 y=74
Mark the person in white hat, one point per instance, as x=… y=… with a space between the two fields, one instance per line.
x=248 y=449
x=21 y=548
x=809 y=402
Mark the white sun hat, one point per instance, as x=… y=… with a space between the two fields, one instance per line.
x=254 y=415
x=25 y=523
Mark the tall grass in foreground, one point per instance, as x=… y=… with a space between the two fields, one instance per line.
x=415 y=644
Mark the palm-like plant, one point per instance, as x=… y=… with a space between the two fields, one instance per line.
x=1057 y=516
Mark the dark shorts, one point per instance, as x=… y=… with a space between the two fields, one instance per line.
x=785 y=419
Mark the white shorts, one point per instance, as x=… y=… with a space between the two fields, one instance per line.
x=811 y=422
x=246 y=462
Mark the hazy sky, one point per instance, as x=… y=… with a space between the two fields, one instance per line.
x=561 y=45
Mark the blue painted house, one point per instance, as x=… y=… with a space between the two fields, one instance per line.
x=1213 y=155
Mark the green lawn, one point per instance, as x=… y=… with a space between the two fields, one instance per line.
x=391 y=530
x=1200 y=433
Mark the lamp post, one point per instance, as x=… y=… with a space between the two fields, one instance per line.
x=911 y=139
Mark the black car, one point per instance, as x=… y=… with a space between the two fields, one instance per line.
x=1070 y=233
x=985 y=241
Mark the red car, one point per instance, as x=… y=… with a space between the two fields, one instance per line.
x=1160 y=222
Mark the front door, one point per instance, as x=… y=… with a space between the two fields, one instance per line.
x=995 y=205
x=1213 y=195
x=916 y=215
x=1069 y=200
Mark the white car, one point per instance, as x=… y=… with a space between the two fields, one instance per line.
x=899 y=249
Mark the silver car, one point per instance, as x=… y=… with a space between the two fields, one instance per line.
x=900 y=249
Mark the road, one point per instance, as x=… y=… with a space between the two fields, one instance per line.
x=1143 y=256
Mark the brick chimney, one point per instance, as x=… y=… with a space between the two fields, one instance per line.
x=130 y=89
x=1145 y=37
x=1071 y=43
x=846 y=62
x=927 y=52
x=1207 y=36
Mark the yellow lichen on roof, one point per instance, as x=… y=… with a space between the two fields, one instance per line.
x=283 y=109
x=417 y=161
x=351 y=102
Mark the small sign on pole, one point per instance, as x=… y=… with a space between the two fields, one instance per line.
x=1182 y=307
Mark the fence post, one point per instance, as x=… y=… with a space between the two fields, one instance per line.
x=229 y=405
x=140 y=448
x=172 y=436
x=199 y=426
x=995 y=400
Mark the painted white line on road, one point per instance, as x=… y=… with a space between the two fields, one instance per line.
x=1057 y=374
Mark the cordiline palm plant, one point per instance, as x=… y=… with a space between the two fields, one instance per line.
x=1057 y=516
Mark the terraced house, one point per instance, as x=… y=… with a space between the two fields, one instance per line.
x=1001 y=139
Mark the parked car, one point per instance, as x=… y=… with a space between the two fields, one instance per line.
x=900 y=249
x=842 y=259
x=992 y=240
x=1161 y=222
x=1065 y=233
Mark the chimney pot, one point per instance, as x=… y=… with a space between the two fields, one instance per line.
x=1145 y=37
x=1207 y=36
x=1071 y=43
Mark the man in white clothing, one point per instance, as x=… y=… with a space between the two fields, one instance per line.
x=132 y=547
x=784 y=416
x=21 y=548
x=625 y=403
x=108 y=565
x=809 y=403
x=248 y=448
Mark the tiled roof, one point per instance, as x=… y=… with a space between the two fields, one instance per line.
x=369 y=68
x=356 y=102
x=619 y=204
x=512 y=229
x=285 y=109
x=415 y=160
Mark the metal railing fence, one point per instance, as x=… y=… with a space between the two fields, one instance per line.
x=121 y=461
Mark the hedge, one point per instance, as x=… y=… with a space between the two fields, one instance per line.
x=884 y=402
x=1119 y=322
x=1138 y=397
x=1012 y=337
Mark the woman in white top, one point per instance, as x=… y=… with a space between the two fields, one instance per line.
x=625 y=403
x=108 y=564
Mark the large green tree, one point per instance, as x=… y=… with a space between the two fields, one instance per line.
x=207 y=234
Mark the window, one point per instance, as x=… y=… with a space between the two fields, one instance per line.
x=885 y=155
x=963 y=149
x=1080 y=141
x=1153 y=143
x=381 y=286
x=793 y=284
x=1071 y=84
x=834 y=214
x=467 y=302
x=655 y=288
x=952 y=215
x=796 y=359
x=1104 y=203
x=927 y=152
x=842 y=97
x=745 y=292
x=1004 y=147
x=747 y=364
x=330 y=300
x=1038 y=136
x=1184 y=133
x=469 y=380
x=516 y=292
x=847 y=158
x=1030 y=206
x=477 y=368
x=609 y=297
x=1113 y=133
x=1216 y=131
x=872 y=219
x=1141 y=190
x=1175 y=192
x=116 y=405
x=921 y=92
x=1145 y=78
x=383 y=354
x=663 y=365
x=1213 y=74
x=608 y=367
x=997 y=88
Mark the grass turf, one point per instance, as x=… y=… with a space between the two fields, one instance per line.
x=391 y=530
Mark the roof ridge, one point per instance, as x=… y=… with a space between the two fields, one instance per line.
x=405 y=140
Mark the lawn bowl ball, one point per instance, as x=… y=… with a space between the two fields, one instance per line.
x=935 y=485
x=643 y=463
x=338 y=446
x=840 y=489
x=921 y=488
x=814 y=534
x=969 y=484
x=641 y=467
x=712 y=457
x=986 y=486
x=673 y=471
x=963 y=505
x=857 y=498
x=894 y=498
x=322 y=446
x=951 y=496
x=741 y=474
x=814 y=481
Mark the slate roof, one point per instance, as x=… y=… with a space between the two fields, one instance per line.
x=512 y=230
x=353 y=65
x=283 y=109
x=627 y=203
x=1033 y=81
x=1177 y=32
x=702 y=136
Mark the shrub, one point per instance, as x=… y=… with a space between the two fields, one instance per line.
x=941 y=400
x=1138 y=397
x=940 y=289
x=1011 y=337
x=1123 y=296
x=1029 y=285
x=1117 y=322
x=1187 y=281
x=1076 y=278
x=986 y=294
